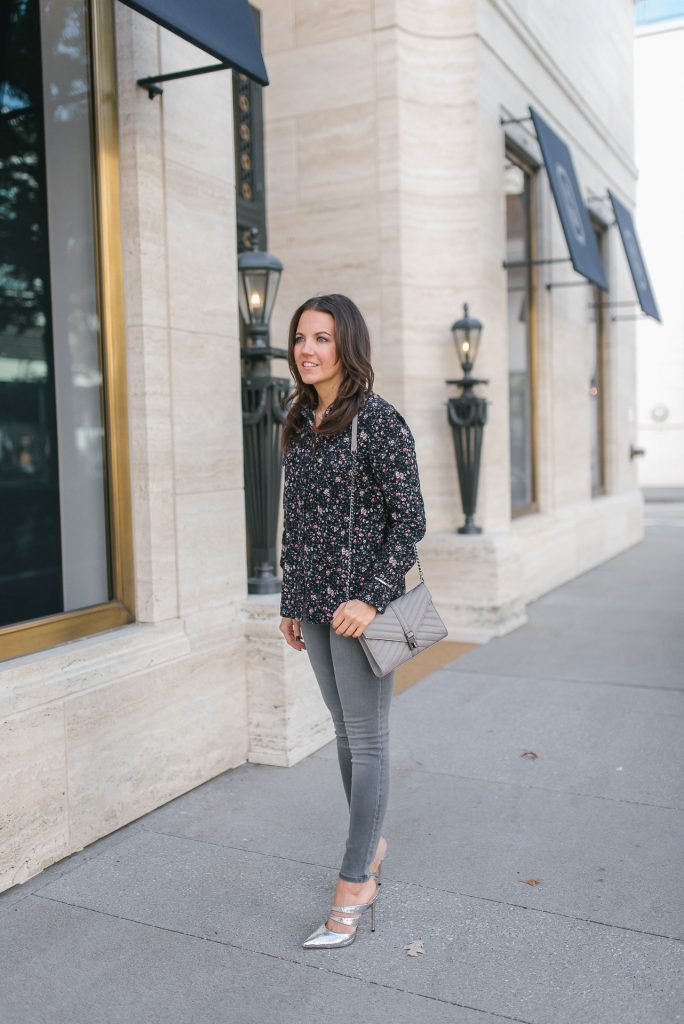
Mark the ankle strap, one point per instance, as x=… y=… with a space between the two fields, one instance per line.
x=344 y=920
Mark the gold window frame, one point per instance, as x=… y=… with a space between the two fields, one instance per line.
x=515 y=155
x=600 y=229
x=48 y=631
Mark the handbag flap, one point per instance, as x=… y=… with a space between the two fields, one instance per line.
x=410 y=607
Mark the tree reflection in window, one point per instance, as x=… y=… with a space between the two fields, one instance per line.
x=31 y=571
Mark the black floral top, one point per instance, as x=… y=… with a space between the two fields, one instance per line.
x=389 y=515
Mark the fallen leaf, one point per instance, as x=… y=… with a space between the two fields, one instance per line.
x=529 y=753
x=530 y=881
x=414 y=947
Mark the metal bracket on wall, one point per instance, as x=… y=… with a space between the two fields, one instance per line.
x=567 y=284
x=514 y=120
x=605 y=305
x=512 y=264
x=612 y=305
x=152 y=83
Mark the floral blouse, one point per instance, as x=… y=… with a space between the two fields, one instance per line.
x=388 y=519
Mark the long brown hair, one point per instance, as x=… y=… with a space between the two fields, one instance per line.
x=352 y=343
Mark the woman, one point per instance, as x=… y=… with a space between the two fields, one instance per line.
x=331 y=591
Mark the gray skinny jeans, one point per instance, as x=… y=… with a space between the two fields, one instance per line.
x=359 y=704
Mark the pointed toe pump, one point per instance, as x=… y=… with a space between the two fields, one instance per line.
x=324 y=938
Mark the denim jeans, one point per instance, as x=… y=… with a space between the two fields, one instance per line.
x=359 y=704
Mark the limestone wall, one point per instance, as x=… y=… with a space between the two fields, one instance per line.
x=99 y=731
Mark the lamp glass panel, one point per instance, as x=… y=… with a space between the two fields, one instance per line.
x=469 y=343
x=254 y=295
x=271 y=292
x=242 y=298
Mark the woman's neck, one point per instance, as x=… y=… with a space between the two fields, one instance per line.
x=326 y=397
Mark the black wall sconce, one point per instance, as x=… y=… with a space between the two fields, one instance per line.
x=467 y=414
x=263 y=414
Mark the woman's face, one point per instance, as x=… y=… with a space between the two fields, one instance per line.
x=315 y=350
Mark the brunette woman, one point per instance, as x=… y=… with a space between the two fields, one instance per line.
x=328 y=597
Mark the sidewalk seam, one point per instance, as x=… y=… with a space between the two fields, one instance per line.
x=418 y=769
x=549 y=679
x=399 y=881
x=286 y=960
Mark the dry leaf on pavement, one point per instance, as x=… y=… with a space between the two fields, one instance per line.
x=414 y=947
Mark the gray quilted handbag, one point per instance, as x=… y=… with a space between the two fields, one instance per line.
x=409 y=624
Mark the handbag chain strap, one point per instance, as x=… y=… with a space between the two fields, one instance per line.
x=354 y=432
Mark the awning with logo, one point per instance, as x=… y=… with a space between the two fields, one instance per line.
x=574 y=217
x=223 y=28
x=635 y=259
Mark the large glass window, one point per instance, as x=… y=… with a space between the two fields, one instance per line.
x=520 y=336
x=55 y=550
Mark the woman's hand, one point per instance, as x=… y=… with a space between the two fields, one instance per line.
x=352 y=617
x=291 y=629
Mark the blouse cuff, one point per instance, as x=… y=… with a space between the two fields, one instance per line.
x=378 y=593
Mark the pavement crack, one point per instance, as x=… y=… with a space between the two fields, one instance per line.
x=422 y=885
x=527 y=785
x=283 y=959
x=557 y=680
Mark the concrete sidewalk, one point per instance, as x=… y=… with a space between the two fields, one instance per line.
x=196 y=912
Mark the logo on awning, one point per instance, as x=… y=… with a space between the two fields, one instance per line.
x=574 y=218
x=635 y=258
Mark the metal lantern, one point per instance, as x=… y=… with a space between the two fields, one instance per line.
x=258 y=277
x=467 y=414
x=466 y=334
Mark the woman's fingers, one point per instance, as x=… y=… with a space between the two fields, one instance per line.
x=338 y=616
x=352 y=617
x=298 y=641
x=292 y=631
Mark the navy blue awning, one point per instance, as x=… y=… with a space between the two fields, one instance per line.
x=579 y=234
x=635 y=258
x=223 y=28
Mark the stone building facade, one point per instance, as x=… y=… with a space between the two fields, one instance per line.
x=390 y=177
x=387 y=179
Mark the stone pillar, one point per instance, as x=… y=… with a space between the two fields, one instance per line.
x=287 y=719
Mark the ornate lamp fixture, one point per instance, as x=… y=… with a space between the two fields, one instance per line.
x=467 y=415
x=263 y=414
x=258 y=277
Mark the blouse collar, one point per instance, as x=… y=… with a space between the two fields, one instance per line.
x=310 y=414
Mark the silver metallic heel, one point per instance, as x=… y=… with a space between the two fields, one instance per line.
x=325 y=938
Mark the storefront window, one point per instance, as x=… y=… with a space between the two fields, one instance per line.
x=596 y=381
x=520 y=327
x=54 y=536
x=53 y=543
